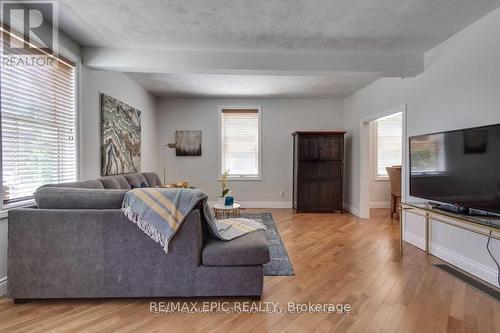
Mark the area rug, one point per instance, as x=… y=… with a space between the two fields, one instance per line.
x=280 y=264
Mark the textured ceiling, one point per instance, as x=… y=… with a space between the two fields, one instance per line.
x=320 y=25
x=211 y=85
x=325 y=26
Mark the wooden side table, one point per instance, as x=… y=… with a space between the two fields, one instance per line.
x=226 y=212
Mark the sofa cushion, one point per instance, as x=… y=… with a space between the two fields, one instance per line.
x=95 y=184
x=152 y=178
x=110 y=183
x=247 y=250
x=115 y=182
x=78 y=198
x=136 y=180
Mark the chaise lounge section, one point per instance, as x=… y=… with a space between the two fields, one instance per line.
x=78 y=244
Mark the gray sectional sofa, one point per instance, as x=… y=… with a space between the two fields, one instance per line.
x=76 y=243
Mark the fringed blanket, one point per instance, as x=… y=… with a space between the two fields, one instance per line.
x=159 y=212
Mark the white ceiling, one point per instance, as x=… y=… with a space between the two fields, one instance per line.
x=223 y=85
x=323 y=26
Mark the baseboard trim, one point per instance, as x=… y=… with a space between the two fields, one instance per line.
x=3 y=286
x=414 y=240
x=380 y=205
x=261 y=204
x=470 y=266
x=351 y=209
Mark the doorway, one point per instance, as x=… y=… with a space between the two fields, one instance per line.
x=383 y=146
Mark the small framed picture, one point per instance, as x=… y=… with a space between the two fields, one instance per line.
x=188 y=143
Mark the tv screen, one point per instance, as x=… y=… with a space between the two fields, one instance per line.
x=459 y=167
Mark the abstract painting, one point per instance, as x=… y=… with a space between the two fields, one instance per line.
x=120 y=137
x=188 y=143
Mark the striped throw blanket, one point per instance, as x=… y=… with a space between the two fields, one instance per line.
x=159 y=212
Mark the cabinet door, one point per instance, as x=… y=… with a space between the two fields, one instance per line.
x=308 y=148
x=308 y=195
x=330 y=148
x=330 y=195
x=321 y=170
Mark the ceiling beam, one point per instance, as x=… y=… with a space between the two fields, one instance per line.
x=256 y=63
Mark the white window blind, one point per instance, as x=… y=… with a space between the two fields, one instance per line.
x=240 y=142
x=38 y=128
x=389 y=132
x=428 y=154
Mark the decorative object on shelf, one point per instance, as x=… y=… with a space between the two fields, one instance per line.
x=120 y=137
x=188 y=143
x=229 y=200
x=226 y=212
x=223 y=184
x=183 y=184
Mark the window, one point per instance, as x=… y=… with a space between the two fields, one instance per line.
x=240 y=142
x=37 y=128
x=388 y=148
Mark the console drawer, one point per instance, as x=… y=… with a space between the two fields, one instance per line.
x=320 y=170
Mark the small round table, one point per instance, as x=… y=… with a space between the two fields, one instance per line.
x=226 y=212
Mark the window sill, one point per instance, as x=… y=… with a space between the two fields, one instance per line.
x=244 y=178
x=381 y=178
x=5 y=211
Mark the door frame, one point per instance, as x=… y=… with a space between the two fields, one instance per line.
x=364 y=179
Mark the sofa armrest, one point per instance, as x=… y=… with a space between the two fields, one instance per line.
x=89 y=253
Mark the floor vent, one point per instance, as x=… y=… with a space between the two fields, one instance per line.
x=490 y=291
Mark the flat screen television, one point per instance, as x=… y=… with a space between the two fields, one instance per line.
x=460 y=167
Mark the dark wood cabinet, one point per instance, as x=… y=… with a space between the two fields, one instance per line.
x=318 y=171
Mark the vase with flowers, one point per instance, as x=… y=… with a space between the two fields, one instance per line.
x=224 y=190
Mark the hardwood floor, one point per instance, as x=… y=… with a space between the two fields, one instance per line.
x=336 y=258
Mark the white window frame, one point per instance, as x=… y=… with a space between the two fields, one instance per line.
x=376 y=176
x=374 y=151
x=259 y=145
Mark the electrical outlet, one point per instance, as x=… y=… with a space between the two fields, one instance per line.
x=282 y=193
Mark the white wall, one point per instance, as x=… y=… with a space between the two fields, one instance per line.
x=280 y=118
x=459 y=88
x=380 y=193
x=121 y=87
